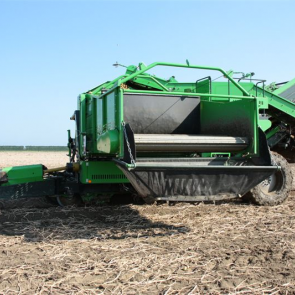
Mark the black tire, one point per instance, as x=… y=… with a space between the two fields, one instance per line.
x=274 y=190
x=149 y=200
x=72 y=200
x=51 y=200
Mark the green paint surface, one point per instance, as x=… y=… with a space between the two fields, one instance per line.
x=23 y=174
x=101 y=172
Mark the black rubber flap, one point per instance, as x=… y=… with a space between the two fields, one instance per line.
x=203 y=182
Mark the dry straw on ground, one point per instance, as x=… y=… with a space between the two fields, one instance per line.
x=183 y=249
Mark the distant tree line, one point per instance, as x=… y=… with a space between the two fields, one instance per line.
x=33 y=148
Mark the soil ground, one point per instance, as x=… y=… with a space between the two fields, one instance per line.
x=224 y=248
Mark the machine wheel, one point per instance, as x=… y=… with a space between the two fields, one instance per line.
x=149 y=200
x=275 y=189
x=51 y=200
x=66 y=200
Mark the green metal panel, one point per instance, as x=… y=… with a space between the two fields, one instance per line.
x=264 y=124
x=225 y=88
x=202 y=86
x=108 y=134
x=23 y=174
x=262 y=102
x=101 y=172
x=120 y=118
x=108 y=142
x=82 y=124
x=99 y=116
x=90 y=127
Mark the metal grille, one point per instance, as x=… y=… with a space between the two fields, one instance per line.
x=108 y=176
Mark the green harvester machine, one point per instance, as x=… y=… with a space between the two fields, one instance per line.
x=163 y=140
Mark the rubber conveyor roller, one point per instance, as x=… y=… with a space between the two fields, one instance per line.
x=188 y=143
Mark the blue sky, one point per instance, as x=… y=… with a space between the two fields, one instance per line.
x=53 y=50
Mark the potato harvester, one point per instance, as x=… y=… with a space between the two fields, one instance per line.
x=163 y=140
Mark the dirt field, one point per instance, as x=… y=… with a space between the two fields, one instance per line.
x=49 y=159
x=183 y=249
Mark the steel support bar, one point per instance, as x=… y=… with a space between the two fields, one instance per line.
x=191 y=165
x=244 y=91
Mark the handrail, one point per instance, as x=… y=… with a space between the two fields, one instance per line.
x=244 y=91
x=262 y=81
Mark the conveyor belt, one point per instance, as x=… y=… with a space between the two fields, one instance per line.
x=188 y=143
x=287 y=90
x=289 y=93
